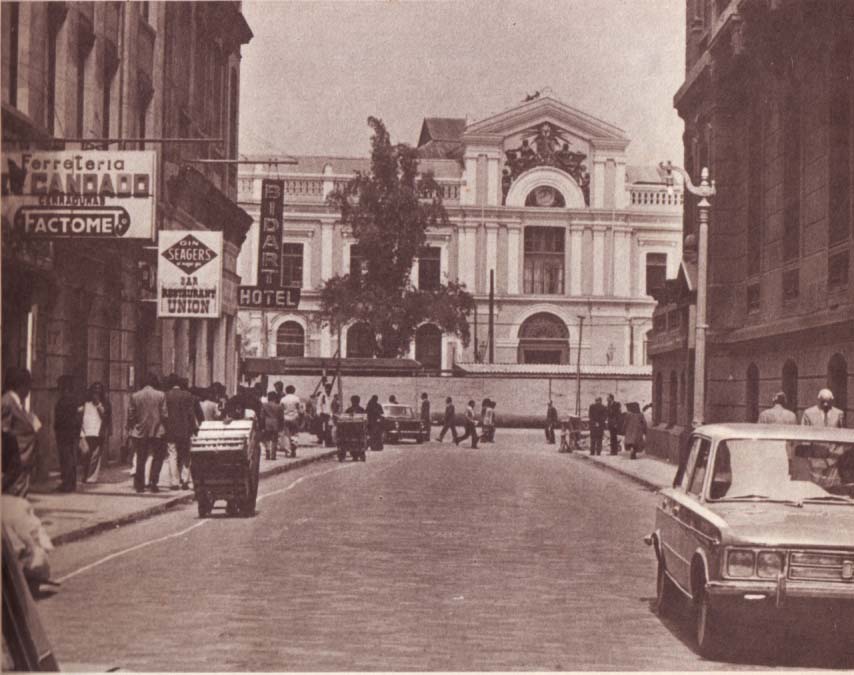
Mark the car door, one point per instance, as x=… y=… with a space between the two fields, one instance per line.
x=681 y=538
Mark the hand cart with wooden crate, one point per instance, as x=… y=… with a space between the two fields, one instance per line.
x=352 y=436
x=224 y=461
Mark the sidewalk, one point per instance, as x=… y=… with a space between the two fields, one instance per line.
x=649 y=471
x=112 y=501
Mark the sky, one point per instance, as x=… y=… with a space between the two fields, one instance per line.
x=315 y=71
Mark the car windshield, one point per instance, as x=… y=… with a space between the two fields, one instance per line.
x=398 y=411
x=784 y=470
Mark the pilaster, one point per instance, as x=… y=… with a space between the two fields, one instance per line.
x=575 y=260
x=599 y=269
x=514 y=241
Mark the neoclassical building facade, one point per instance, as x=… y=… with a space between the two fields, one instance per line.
x=539 y=198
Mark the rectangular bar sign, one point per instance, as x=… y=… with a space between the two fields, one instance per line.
x=270 y=234
x=189 y=274
x=80 y=194
x=253 y=297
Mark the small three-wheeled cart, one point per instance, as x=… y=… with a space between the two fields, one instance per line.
x=352 y=433
x=224 y=461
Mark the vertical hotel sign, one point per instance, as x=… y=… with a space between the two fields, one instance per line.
x=189 y=274
x=270 y=235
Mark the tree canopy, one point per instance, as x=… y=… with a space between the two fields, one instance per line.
x=388 y=211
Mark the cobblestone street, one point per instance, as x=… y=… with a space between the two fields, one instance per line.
x=432 y=557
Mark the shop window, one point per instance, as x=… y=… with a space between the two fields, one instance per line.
x=428 y=346
x=656 y=271
x=290 y=339
x=430 y=268
x=544 y=260
x=292 y=265
x=543 y=338
x=751 y=396
x=361 y=341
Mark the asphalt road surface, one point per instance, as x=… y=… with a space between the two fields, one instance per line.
x=433 y=557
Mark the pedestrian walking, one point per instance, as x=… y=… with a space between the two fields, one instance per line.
x=324 y=408
x=146 y=414
x=823 y=414
x=597 y=416
x=449 y=422
x=551 y=423
x=564 y=438
x=292 y=406
x=634 y=429
x=488 y=423
x=778 y=413
x=470 y=426
x=180 y=425
x=374 y=411
x=66 y=430
x=272 y=424
x=614 y=420
x=96 y=415
x=20 y=428
x=425 y=415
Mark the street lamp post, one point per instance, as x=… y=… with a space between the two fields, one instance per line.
x=705 y=190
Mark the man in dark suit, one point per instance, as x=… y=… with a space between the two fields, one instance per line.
x=450 y=416
x=180 y=425
x=146 y=412
x=615 y=415
x=551 y=422
x=425 y=415
x=597 y=414
x=66 y=429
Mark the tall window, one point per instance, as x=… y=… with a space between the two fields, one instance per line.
x=357 y=264
x=544 y=260
x=428 y=346
x=292 y=265
x=792 y=174
x=656 y=271
x=790 y=384
x=543 y=338
x=110 y=66
x=751 y=394
x=55 y=19
x=86 y=38
x=290 y=339
x=430 y=268
x=837 y=382
x=361 y=342
x=754 y=190
x=840 y=218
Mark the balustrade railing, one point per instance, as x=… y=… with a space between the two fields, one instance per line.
x=655 y=198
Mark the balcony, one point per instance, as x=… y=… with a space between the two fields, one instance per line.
x=654 y=198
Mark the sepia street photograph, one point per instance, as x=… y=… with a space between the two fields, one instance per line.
x=427 y=335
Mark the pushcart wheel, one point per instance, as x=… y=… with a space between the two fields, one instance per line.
x=204 y=507
x=247 y=507
x=342 y=456
x=231 y=508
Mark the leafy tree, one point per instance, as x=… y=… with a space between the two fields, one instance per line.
x=389 y=210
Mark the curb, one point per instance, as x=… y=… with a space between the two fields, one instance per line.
x=144 y=514
x=649 y=485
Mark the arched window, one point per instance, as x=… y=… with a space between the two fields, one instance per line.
x=361 y=342
x=543 y=338
x=673 y=400
x=657 y=399
x=428 y=346
x=837 y=381
x=751 y=394
x=790 y=384
x=290 y=339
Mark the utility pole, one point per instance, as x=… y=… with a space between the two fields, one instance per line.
x=491 y=316
x=578 y=368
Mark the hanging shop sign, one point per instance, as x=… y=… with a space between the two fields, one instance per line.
x=189 y=274
x=80 y=194
x=254 y=297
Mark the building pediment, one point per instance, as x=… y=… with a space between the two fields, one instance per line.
x=530 y=115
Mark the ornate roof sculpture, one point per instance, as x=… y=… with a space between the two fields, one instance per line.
x=546 y=145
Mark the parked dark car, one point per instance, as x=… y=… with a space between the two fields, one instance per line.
x=758 y=531
x=400 y=422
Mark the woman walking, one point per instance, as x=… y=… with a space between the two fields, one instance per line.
x=374 y=411
x=635 y=429
x=96 y=427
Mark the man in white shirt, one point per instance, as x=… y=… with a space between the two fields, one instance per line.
x=778 y=413
x=324 y=413
x=824 y=414
x=292 y=406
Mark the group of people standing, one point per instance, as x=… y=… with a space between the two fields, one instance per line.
x=822 y=414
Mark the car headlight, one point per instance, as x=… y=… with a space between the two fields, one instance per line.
x=769 y=564
x=740 y=563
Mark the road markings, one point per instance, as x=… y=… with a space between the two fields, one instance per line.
x=151 y=542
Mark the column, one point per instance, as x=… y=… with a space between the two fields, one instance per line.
x=513 y=269
x=576 y=255
x=494 y=192
x=445 y=359
x=202 y=376
x=466 y=256
x=599 y=269
x=622 y=262
x=220 y=354
x=325 y=251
